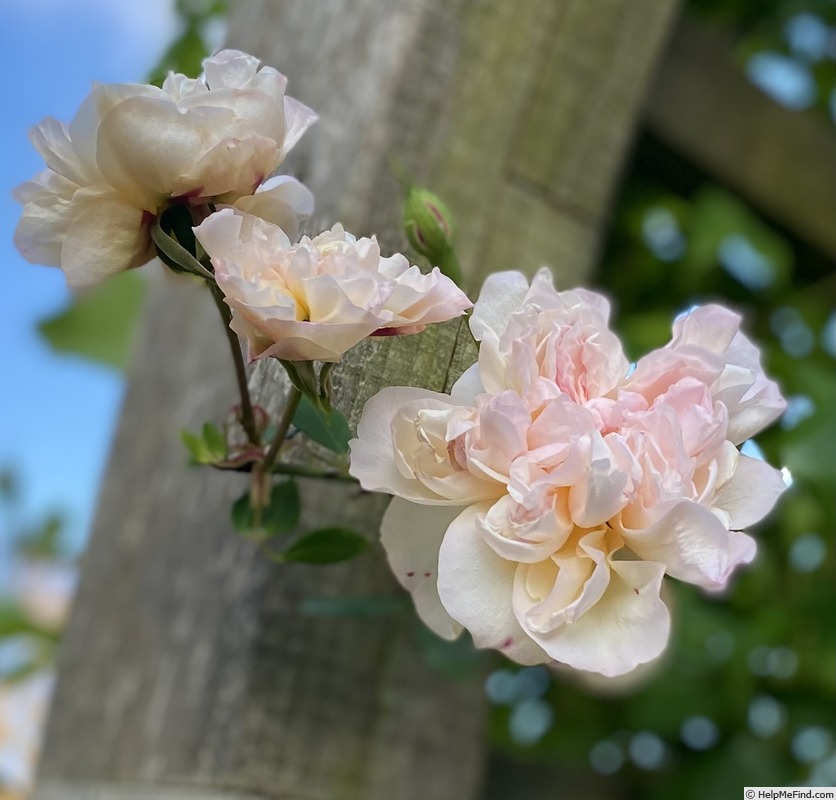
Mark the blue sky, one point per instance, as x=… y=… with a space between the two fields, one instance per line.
x=58 y=412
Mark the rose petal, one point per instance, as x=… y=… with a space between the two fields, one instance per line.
x=372 y=453
x=475 y=586
x=751 y=492
x=230 y=69
x=144 y=145
x=412 y=535
x=106 y=236
x=628 y=626
x=693 y=544
x=52 y=140
x=298 y=118
x=283 y=201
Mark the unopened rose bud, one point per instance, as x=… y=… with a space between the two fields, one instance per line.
x=429 y=227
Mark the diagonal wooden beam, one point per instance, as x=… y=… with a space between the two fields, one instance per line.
x=782 y=161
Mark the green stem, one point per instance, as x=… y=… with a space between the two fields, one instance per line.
x=307 y=472
x=283 y=428
x=247 y=414
x=448 y=263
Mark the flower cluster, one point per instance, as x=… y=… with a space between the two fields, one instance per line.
x=542 y=502
x=133 y=151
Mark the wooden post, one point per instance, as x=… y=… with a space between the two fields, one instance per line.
x=189 y=670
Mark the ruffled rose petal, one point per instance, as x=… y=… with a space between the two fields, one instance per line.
x=106 y=236
x=372 y=453
x=475 y=586
x=753 y=400
x=52 y=140
x=231 y=69
x=233 y=167
x=412 y=535
x=693 y=543
x=283 y=201
x=629 y=625
x=516 y=536
x=600 y=492
x=751 y=492
x=144 y=145
x=577 y=580
x=84 y=128
x=501 y=295
x=339 y=288
x=298 y=118
x=47 y=215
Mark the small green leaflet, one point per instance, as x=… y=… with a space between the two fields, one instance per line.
x=207 y=448
x=242 y=514
x=279 y=516
x=329 y=430
x=368 y=607
x=215 y=441
x=326 y=546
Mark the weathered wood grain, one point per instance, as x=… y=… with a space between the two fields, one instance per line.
x=188 y=666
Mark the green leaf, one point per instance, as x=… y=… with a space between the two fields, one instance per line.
x=282 y=514
x=241 y=514
x=174 y=255
x=209 y=447
x=279 y=516
x=197 y=447
x=15 y=622
x=366 y=607
x=329 y=430
x=100 y=322
x=215 y=442
x=303 y=376
x=326 y=546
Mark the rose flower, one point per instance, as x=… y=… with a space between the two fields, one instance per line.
x=316 y=299
x=541 y=504
x=133 y=149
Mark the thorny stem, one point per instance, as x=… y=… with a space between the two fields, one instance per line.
x=260 y=489
x=281 y=431
x=247 y=414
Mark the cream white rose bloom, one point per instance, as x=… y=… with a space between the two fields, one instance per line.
x=541 y=503
x=134 y=148
x=314 y=300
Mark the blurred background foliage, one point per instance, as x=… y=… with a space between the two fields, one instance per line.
x=745 y=693
x=36 y=584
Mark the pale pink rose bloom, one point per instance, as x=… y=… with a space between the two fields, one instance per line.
x=707 y=344
x=133 y=148
x=572 y=488
x=316 y=299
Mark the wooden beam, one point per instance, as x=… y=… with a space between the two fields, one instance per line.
x=780 y=160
